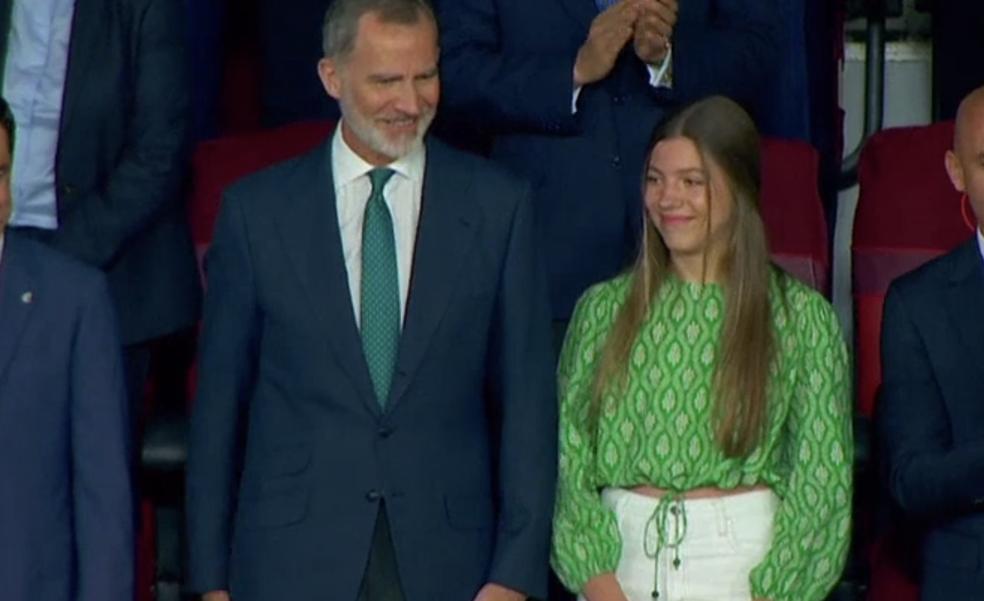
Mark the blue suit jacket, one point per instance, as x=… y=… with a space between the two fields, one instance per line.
x=931 y=415
x=507 y=66
x=290 y=452
x=66 y=531
x=122 y=159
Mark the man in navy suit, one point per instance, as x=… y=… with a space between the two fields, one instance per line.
x=66 y=531
x=376 y=416
x=570 y=91
x=931 y=411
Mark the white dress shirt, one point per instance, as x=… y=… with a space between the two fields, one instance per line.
x=980 y=240
x=402 y=193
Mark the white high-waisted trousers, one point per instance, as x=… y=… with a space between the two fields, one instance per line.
x=690 y=549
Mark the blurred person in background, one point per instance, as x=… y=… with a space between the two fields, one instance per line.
x=569 y=90
x=100 y=95
x=66 y=528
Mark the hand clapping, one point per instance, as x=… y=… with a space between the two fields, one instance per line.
x=648 y=23
x=654 y=29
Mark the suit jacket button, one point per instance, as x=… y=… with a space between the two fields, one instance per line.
x=373 y=495
x=384 y=432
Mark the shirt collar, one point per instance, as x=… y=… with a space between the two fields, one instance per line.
x=347 y=166
x=980 y=240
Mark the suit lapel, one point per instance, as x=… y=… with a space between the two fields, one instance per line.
x=89 y=26
x=310 y=235
x=446 y=227
x=16 y=298
x=965 y=299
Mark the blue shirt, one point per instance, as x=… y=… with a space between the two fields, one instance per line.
x=34 y=84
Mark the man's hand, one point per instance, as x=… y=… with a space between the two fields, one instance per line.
x=653 y=30
x=216 y=596
x=497 y=592
x=610 y=32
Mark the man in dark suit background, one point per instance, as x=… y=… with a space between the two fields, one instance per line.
x=289 y=49
x=570 y=91
x=956 y=36
x=66 y=531
x=931 y=410
x=376 y=416
x=100 y=95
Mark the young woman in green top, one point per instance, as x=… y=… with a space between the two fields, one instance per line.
x=705 y=419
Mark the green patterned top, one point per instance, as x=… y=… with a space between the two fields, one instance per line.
x=660 y=432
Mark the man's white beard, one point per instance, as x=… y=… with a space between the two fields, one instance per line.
x=366 y=130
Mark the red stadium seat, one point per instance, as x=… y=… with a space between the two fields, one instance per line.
x=220 y=162
x=793 y=212
x=908 y=213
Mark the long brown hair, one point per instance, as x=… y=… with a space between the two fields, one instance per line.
x=724 y=135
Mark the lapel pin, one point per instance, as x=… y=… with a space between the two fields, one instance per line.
x=27 y=298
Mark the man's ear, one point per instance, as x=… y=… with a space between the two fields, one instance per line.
x=328 y=72
x=955 y=170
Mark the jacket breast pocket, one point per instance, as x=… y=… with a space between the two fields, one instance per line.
x=273 y=510
x=288 y=460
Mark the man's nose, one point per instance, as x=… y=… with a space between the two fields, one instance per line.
x=409 y=100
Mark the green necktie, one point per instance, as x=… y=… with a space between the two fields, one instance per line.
x=380 y=302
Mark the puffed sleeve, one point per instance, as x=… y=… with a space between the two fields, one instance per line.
x=586 y=541
x=812 y=523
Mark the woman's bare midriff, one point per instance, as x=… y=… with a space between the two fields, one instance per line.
x=708 y=492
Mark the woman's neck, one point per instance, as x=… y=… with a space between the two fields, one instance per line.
x=691 y=268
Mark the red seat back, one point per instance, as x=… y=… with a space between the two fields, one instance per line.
x=793 y=212
x=220 y=162
x=908 y=213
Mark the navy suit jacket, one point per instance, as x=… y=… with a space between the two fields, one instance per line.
x=122 y=159
x=291 y=454
x=931 y=415
x=66 y=531
x=507 y=66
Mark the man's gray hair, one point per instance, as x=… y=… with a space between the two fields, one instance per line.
x=342 y=20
